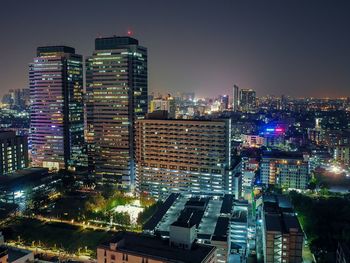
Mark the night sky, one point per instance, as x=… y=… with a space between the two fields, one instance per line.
x=297 y=48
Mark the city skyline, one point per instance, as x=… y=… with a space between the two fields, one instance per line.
x=253 y=45
x=172 y=131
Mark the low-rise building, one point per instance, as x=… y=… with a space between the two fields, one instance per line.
x=252 y=140
x=214 y=220
x=139 y=248
x=282 y=236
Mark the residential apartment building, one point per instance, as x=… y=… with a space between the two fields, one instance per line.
x=284 y=169
x=282 y=235
x=190 y=156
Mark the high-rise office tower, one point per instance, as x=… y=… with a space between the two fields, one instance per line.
x=235 y=98
x=187 y=156
x=116 y=77
x=247 y=99
x=57 y=117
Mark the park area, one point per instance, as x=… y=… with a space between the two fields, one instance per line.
x=55 y=236
x=99 y=205
x=325 y=220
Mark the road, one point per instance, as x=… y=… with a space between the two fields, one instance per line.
x=60 y=254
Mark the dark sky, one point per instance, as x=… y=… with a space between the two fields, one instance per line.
x=296 y=47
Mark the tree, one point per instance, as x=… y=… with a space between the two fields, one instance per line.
x=96 y=203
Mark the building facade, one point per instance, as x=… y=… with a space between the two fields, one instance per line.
x=235 y=98
x=164 y=104
x=342 y=154
x=282 y=236
x=13 y=152
x=184 y=156
x=287 y=170
x=56 y=112
x=116 y=78
x=247 y=100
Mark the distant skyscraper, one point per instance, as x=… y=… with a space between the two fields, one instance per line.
x=57 y=117
x=116 y=76
x=224 y=100
x=235 y=98
x=164 y=104
x=247 y=99
x=17 y=98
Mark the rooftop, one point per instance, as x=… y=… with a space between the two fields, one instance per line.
x=226 y=206
x=54 y=49
x=273 y=222
x=114 y=42
x=189 y=217
x=279 y=215
x=220 y=233
x=7 y=134
x=22 y=179
x=158 y=215
x=157 y=248
x=282 y=155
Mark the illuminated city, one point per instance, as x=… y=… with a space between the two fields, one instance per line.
x=175 y=131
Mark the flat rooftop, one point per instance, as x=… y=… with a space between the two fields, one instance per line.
x=151 y=224
x=273 y=222
x=282 y=222
x=187 y=211
x=221 y=229
x=189 y=217
x=114 y=42
x=227 y=203
x=157 y=248
x=22 y=179
x=282 y=155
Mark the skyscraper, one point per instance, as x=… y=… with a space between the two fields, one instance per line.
x=224 y=100
x=247 y=99
x=57 y=117
x=116 y=76
x=235 y=98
